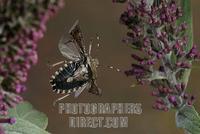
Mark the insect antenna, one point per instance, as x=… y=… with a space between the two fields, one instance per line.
x=91 y=44
x=90 y=47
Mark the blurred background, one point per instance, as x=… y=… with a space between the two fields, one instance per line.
x=102 y=17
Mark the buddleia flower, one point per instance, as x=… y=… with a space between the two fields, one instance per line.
x=22 y=24
x=163 y=45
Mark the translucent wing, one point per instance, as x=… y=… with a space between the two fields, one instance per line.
x=82 y=88
x=95 y=89
x=70 y=44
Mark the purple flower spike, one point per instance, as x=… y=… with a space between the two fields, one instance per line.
x=162 y=43
x=194 y=53
x=19 y=35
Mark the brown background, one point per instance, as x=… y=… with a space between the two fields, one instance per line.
x=101 y=16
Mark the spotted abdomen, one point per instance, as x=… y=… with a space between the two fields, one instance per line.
x=63 y=81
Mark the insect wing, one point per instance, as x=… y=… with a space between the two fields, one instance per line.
x=69 y=50
x=95 y=89
x=69 y=47
x=77 y=35
x=80 y=90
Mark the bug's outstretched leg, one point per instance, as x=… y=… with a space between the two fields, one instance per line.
x=59 y=99
x=55 y=64
x=90 y=47
x=91 y=43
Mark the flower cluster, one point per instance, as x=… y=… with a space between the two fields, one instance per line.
x=22 y=24
x=165 y=53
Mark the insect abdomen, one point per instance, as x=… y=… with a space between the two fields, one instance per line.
x=66 y=87
x=61 y=82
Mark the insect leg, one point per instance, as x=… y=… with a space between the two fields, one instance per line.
x=91 y=43
x=59 y=99
x=55 y=64
x=90 y=47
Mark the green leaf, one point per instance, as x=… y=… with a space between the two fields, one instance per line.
x=134 y=46
x=185 y=76
x=189 y=119
x=187 y=17
x=157 y=75
x=1 y=79
x=28 y=120
x=173 y=58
